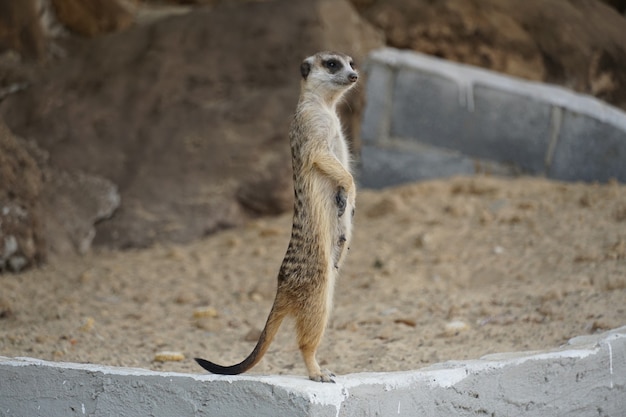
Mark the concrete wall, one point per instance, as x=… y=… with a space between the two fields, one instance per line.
x=587 y=377
x=426 y=117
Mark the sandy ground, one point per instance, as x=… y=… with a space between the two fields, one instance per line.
x=450 y=269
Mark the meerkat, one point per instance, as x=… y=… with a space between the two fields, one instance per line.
x=324 y=204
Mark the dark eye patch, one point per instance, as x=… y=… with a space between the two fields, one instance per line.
x=352 y=64
x=332 y=65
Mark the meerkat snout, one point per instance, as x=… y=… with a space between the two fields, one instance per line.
x=353 y=77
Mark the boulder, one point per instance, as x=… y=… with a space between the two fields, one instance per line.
x=72 y=204
x=21 y=233
x=188 y=115
x=43 y=210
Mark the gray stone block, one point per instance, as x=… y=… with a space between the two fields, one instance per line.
x=479 y=121
x=426 y=109
x=539 y=128
x=386 y=167
x=391 y=165
x=508 y=127
x=375 y=125
x=589 y=149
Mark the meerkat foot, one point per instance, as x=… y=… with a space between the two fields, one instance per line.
x=323 y=376
x=341 y=199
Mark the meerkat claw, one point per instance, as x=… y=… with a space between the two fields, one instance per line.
x=323 y=377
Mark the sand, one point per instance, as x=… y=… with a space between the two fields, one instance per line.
x=441 y=270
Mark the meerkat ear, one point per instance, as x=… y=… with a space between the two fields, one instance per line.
x=305 y=69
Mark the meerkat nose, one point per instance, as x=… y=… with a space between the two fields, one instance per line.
x=353 y=77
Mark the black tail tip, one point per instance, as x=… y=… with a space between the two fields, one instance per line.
x=219 y=369
x=204 y=363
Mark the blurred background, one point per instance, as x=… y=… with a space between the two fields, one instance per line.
x=145 y=168
x=173 y=114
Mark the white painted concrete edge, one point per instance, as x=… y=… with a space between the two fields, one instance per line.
x=583 y=378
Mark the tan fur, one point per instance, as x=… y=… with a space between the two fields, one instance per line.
x=322 y=222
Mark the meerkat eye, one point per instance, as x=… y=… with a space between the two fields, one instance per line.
x=332 y=64
x=352 y=64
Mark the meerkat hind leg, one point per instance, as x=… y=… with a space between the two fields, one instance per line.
x=310 y=329
x=315 y=372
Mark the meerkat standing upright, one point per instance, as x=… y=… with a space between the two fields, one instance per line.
x=322 y=221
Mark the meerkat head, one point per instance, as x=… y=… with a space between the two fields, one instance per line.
x=329 y=74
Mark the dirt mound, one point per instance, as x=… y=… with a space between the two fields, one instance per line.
x=188 y=116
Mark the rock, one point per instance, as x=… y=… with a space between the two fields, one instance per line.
x=21 y=230
x=44 y=210
x=88 y=324
x=205 y=312
x=6 y=309
x=532 y=39
x=453 y=328
x=189 y=115
x=73 y=204
x=269 y=193
x=168 y=356
x=15 y=74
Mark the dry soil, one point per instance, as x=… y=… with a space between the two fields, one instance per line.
x=440 y=270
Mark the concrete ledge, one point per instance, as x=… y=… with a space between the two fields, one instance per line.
x=399 y=162
x=536 y=128
x=584 y=378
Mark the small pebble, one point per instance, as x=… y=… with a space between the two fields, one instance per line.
x=176 y=254
x=205 y=312
x=406 y=322
x=255 y=296
x=270 y=231
x=5 y=309
x=168 y=356
x=85 y=277
x=88 y=324
x=455 y=327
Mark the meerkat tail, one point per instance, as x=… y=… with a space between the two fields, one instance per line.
x=272 y=325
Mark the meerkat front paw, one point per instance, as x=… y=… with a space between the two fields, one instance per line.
x=341 y=199
x=352 y=198
x=341 y=242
